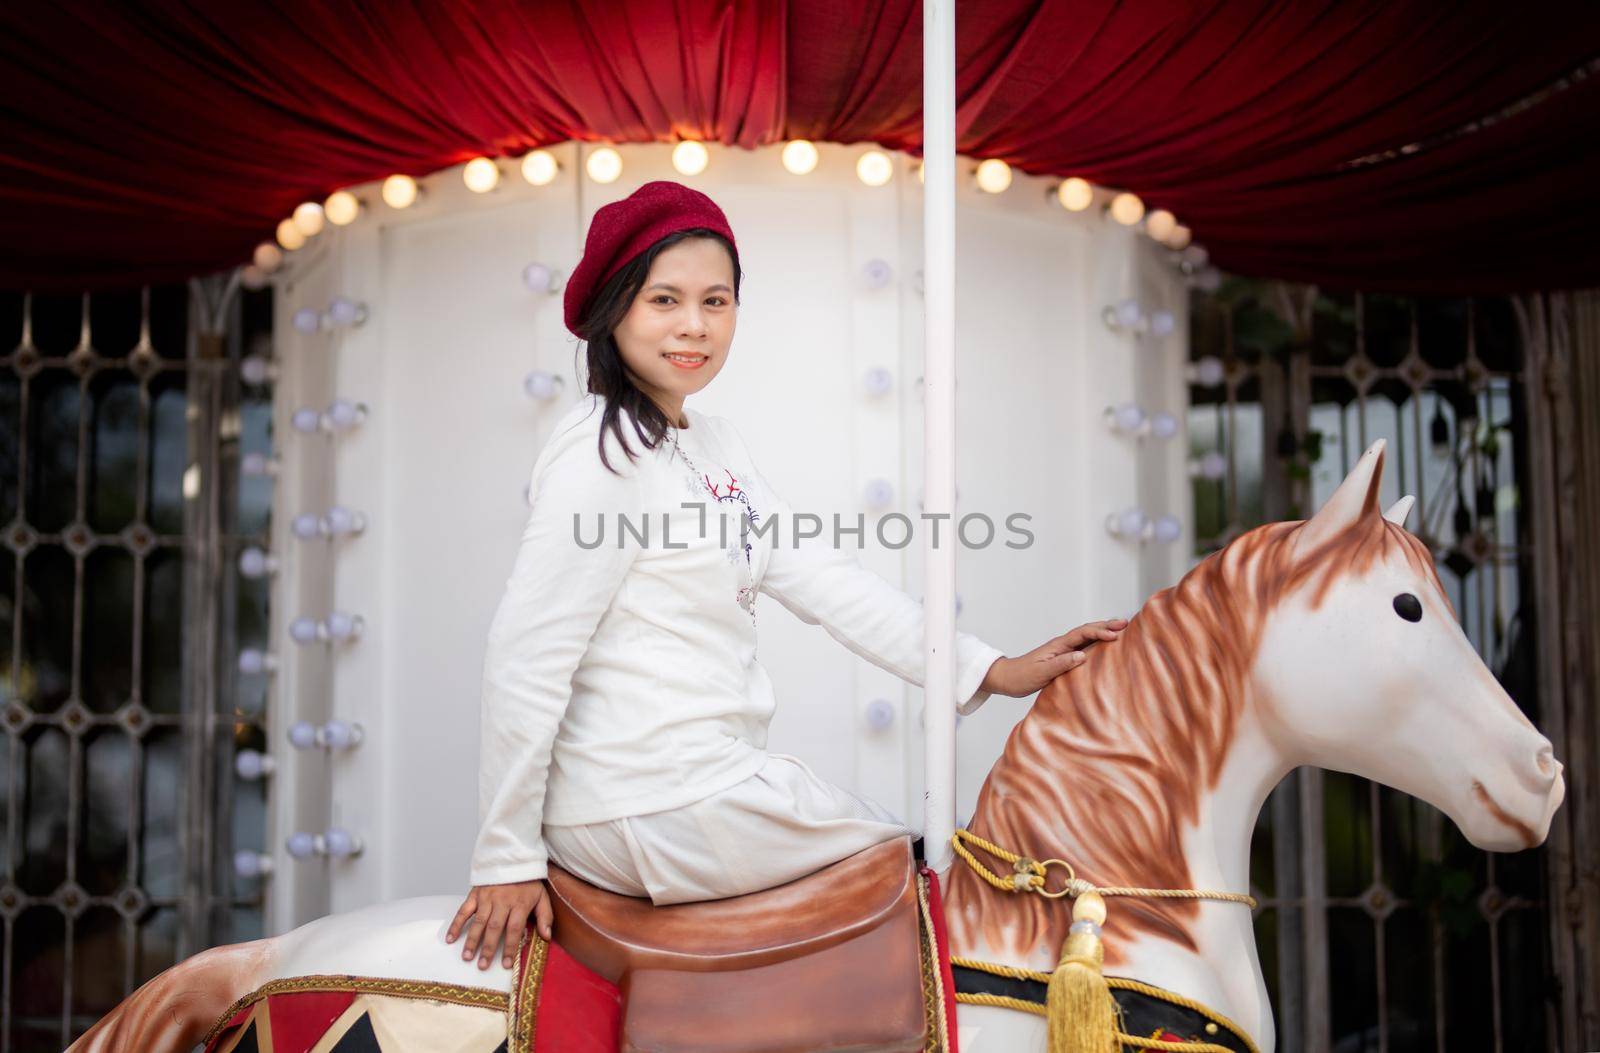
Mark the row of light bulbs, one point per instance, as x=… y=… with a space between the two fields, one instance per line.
x=1132 y=524
x=335 y=842
x=1130 y=419
x=1129 y=316
x=337 y=627
x=689 y=157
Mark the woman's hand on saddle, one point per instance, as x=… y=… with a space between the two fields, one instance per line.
x=495 y=915
x=1022 y=676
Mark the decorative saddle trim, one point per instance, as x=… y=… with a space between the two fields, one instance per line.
x=1146 y=1010
x=526 y=983
x=459 y=994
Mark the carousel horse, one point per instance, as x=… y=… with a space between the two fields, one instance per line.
x=1099 y=898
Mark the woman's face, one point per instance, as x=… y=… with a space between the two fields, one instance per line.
x=685 y=305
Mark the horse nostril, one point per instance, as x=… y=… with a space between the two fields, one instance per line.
x=1546 y=761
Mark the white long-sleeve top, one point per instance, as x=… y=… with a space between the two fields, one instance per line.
x=621 y=678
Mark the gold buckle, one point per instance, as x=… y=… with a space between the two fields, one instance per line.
x=1072 y=875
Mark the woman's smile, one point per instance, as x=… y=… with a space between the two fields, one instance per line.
x=686 y=360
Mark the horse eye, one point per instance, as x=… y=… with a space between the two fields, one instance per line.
x=1408 y=607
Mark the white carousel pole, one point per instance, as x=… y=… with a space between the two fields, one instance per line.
x=939 y=428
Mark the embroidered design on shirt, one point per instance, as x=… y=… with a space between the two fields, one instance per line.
x=725 y=493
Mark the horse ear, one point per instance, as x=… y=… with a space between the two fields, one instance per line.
x=1357 y=496
x=1399 y=510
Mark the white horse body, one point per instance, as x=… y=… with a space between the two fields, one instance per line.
x=1339 y=681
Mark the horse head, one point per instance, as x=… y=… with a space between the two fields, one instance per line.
x=1329 y=642
x=1363 y=667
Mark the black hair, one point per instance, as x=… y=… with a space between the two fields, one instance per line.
x=608 y=375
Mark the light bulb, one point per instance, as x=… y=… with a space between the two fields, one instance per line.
x=308 y=217
x=1208 y=372
x=690 y=157
x=538 y=278
x=399 y=191
x=253 y=660
x=878 y=381
x=341 y=208
x=1163 y=425
x=1075 y=194
x=303 y=630
x=255 y=370
x=344 y=414
x=1161 y=323
x=1180 y=237
x=302 y=845
x=604 y=165
x=267 y=256
x=341 y=625
x=539 y=167
x=257 y=464
x=880 y=714
x=878 y=493
x=1168 y=529
x=1127 y=209
x=993 y=176
x=289 y=235
x=874 y=168
x=303 y=735
x=1129 y=523
x=254 y=563
x=1211 y=466
x=1159 y=224
x=306 y=420
x=345 y=311
x=877 y=274
x=248 y=864
x=799 y=156
x=341 y=520
x=308 y=320
x=341 y=843
x=1129 y=417
x=543 y=385
x=251 y=765
x=1196 y=255
x=252 y=277
x=306 y=526
x=338 y=735
x=481 y=175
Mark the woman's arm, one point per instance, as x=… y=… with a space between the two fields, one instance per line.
x=553 y=601
x=822 y=584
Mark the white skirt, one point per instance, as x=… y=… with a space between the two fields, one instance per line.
x=778 y=824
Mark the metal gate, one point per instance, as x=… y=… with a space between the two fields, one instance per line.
x=121 y=612
x=1380 y=927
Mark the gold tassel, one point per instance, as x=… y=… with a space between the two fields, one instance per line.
x=1081 y=1013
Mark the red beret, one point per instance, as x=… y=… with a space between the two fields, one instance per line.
x=623 y=229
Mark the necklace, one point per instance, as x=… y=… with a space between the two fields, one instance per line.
x=724 y=493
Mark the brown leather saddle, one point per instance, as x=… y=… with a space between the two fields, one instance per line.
x=829 y=961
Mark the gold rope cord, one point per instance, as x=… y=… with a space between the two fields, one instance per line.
x=458 y=994
x=1030 y=875
x=1016 y=973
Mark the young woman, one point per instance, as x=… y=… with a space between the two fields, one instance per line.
x=624 y=715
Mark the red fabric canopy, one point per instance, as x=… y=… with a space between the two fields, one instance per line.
x=151 y=142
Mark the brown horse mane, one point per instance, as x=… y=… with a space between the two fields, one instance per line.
x=1116 y=755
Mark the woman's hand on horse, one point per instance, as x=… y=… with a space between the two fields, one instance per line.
x=1022 y=676
x=495 y=915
